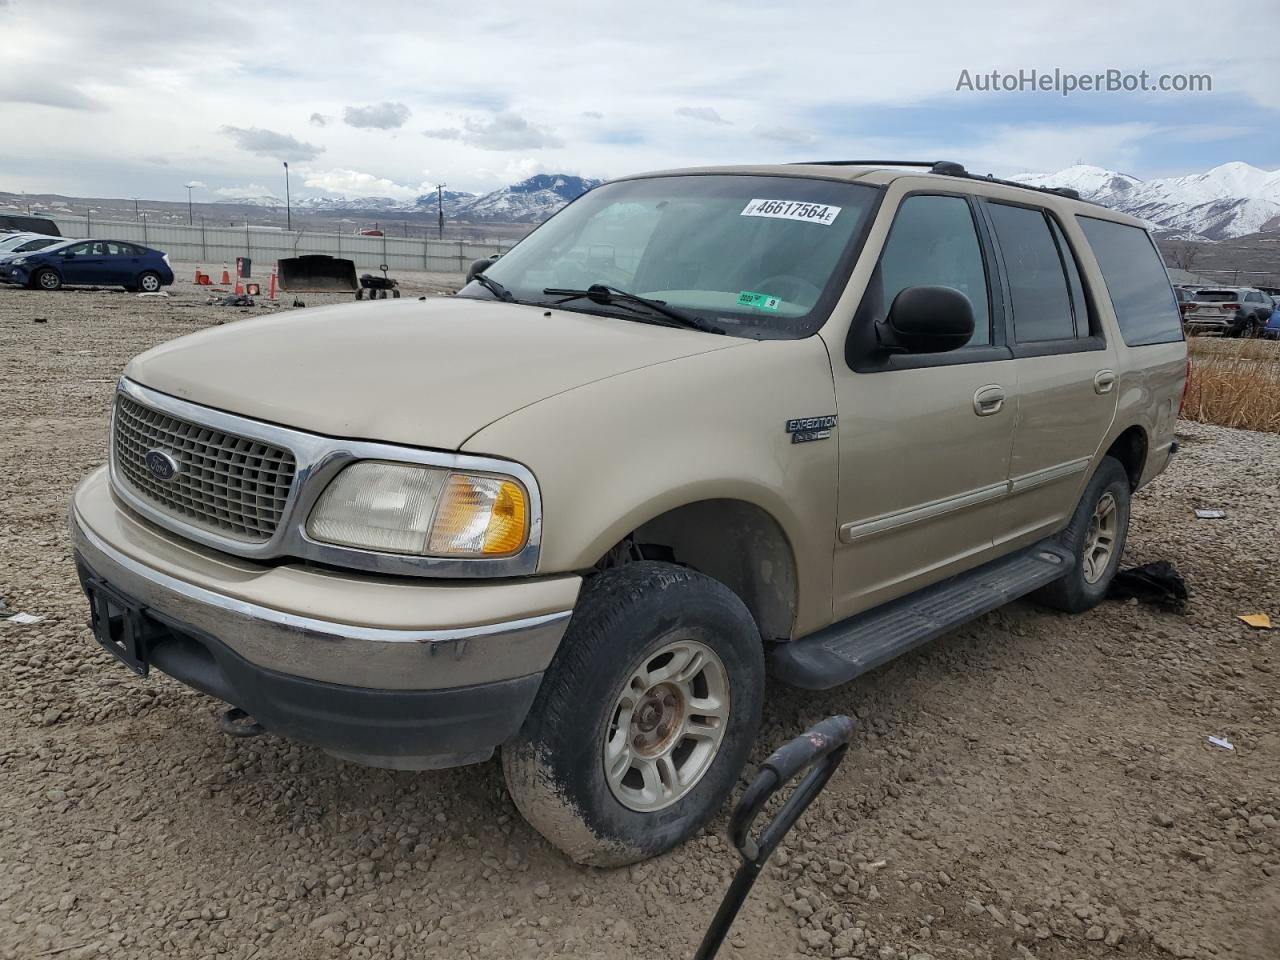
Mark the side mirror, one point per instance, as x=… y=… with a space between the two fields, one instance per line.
x=928 y=320
x=480 y=266
x=68 y=254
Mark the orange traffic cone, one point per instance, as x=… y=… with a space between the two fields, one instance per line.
x=239 y=288
x=272 y=294
x=226 y=274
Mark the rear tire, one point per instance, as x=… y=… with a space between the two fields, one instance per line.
x=645 y=717
x=46 y=279
x=1095 y=536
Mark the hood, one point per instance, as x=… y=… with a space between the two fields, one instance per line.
x=426 y=373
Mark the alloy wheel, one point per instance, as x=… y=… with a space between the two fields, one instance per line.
x=667 y=725
x=1100 y=541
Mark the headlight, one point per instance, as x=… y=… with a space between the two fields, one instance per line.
x=428 y=511
x=20 y=261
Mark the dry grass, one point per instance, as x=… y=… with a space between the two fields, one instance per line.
x=1235 y=383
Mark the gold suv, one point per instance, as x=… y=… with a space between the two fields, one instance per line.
x=701 y=426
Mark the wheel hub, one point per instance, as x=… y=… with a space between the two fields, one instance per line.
x=667 y=726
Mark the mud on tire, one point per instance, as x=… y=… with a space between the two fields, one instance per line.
x=624 y=621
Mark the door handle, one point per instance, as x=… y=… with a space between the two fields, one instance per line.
x=1103 y=381
x=988 y=400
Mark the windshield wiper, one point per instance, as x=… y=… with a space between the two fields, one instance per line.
x=494 y=287
x=605 y=295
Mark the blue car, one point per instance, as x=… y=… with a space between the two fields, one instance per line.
x=111 y=263
x=1272 y=330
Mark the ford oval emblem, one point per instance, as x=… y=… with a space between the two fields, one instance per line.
x=161 y=464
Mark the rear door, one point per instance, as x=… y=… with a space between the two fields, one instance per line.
x=924 y=438
x=1065 y=371
x=120 y=263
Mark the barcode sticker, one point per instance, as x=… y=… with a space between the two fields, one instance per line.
x=792 y=210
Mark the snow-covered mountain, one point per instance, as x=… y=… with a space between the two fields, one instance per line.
x=263 y=201
x=1230 y=200
x=529 y=201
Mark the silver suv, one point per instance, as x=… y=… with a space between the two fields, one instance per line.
x=701 y=426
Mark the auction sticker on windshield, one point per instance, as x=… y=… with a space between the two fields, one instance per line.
x=822 y=213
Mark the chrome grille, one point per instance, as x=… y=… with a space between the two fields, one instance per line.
x=232 y=485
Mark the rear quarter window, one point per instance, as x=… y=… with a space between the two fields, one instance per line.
x=1136 y=281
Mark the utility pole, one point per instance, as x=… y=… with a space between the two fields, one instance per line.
x=288 y=204
x=190 y=217
x=440 y=210
x=136 y=215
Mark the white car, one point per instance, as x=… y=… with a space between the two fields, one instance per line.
x=18 y=243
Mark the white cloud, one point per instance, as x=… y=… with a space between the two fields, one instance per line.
x=197 y=184
x=705 y=114
x=378 y=116
x=503 y=131
x=248 y=190
x=353 y=183
x=319 y=120
x=269 y=143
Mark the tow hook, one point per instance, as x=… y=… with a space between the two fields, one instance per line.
x=233 y=727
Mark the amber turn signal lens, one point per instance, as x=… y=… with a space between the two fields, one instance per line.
x=478 y=515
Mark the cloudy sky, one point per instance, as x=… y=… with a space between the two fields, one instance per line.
x=133 y=98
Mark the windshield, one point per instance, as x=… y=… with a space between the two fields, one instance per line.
x=762 y=257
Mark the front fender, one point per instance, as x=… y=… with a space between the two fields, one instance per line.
x=614 y=454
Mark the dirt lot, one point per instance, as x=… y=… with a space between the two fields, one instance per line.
x=1033 y=785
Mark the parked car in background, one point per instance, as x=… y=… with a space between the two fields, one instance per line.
x=11 y=223
x=1228 y=312
x=12 y=244
x=91 y=262
x=1272 y=330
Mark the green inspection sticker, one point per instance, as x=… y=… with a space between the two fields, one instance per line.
x=761 y=301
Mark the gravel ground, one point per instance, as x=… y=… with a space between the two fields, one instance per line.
x=1034 y=785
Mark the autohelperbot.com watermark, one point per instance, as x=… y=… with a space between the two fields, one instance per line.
x=1066 y=83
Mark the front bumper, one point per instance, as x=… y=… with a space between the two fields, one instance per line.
x=385 y=671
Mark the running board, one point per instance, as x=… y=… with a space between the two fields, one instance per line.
x=844 y=650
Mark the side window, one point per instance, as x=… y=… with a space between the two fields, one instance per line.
x=1037 y=281
x=80 y=249
x=933 y=242
x=1137 y=283
x=1079 y=303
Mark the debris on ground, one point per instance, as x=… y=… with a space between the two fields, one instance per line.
x=23 y=618
x=1157 y=583
x=39 y=319
x=155 y=293
x=1210 y=514
x=1259 y=620
x=1222 y=742
x=235 y=300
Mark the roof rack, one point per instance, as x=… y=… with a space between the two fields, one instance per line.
x=946 y=168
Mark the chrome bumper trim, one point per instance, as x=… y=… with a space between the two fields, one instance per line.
x=333 y=652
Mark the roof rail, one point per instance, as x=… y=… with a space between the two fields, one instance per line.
x=947 y=168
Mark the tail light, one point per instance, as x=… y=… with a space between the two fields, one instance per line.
x=1230 y=306
x=1186 y=385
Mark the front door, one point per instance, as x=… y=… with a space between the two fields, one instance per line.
x=79 y=263
x=924 y=438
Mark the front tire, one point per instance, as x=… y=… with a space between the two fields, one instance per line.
x=46 y=279
x=645 y=717
x=149 y=282
x=1095 y=536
